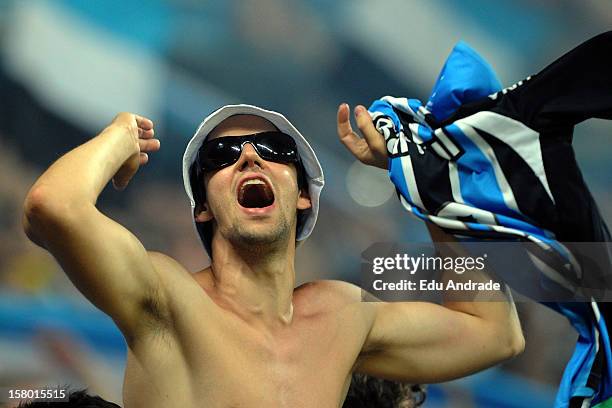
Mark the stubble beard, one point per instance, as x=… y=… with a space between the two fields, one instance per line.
x=259 y=240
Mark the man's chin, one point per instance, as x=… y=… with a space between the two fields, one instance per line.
x=260 y=234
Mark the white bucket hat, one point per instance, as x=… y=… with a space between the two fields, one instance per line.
x=314 y=172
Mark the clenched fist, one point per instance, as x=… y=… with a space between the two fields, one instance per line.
x=140 y=130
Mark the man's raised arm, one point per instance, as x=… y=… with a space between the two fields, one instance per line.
x=103 y=259
x=422 y=342
x=425 y=342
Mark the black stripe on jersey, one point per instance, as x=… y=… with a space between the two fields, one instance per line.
x=530 y=195
x=433 y=182
x=579 y=217
x=430 y=171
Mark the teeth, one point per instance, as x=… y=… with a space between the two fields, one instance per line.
x=254 y=181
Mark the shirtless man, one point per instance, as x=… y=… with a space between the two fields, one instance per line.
x=238 y=334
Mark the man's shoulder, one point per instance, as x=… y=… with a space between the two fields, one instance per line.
x=169 y=270
x=329 y=293
x=162 y=261
x=333 y=285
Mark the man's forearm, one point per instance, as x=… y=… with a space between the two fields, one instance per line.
x=494 y=307
x=81 y=174
x=74 y=182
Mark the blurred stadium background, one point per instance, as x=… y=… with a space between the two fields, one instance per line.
x=68 y=66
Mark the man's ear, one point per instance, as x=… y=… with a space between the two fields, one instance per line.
x=303 y=202
x=202 y=213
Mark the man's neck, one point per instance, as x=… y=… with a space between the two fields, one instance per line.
x=257 y=285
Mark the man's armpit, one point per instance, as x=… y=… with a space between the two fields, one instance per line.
x=153 y=314
x=154 y=310
x=153 y=318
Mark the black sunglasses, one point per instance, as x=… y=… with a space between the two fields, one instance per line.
x=224 y=151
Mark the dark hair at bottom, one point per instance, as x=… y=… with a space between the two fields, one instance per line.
x=372 y=392
x=76 y=399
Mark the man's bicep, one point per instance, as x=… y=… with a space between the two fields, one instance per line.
x=425 y=342
x=107 y=263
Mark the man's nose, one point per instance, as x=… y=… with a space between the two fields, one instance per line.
x=249 y=157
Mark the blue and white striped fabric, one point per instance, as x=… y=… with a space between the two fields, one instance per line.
x=479 y=161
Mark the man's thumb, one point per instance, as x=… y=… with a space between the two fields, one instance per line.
x=126 y=172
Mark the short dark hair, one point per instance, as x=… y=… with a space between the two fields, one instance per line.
x=76 y=399
x=367 y=392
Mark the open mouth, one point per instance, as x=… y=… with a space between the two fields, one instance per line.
x=255 y=193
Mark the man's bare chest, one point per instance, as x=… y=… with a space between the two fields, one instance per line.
x=310 y=344
x=310 y=361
